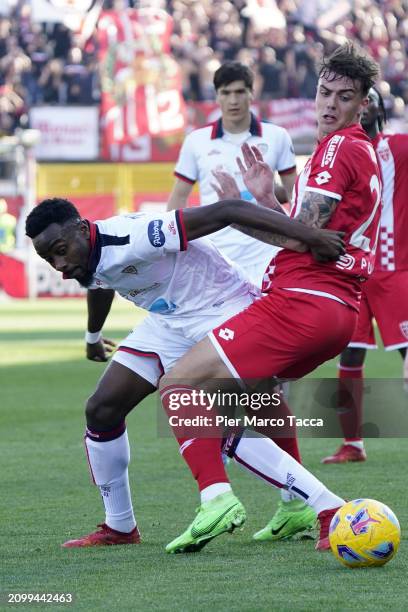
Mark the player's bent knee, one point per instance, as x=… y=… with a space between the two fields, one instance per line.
x=101 y=414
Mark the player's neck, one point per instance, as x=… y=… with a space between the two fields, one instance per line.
x=234 y=127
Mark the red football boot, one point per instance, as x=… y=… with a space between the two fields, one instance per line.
x=346 y=453
x=325 y=518
x=105 y=536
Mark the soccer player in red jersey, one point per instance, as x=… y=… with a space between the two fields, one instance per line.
x=310 y=310
x=385 y=294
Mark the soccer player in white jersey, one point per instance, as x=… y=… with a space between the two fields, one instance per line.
x=187 y=287
x=216 y=146
x=212 y=149
x=385 y=294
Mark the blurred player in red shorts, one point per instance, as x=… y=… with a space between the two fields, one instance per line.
x=311 y=309
x=385 y=294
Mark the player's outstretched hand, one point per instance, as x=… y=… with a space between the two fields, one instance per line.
x=257 y=175
x=101 y=350
x=226 y=187
x=327 y=246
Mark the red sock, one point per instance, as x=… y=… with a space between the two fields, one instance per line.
x=350 y=402
x=202 y=455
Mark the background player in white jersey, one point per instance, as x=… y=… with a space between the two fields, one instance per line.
x=385 y=293
x=186 y=290
x=216 y=146
x=213 y=149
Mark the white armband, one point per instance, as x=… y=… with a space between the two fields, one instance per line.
x=93 y=337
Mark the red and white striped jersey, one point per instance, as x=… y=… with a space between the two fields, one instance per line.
x=344 y=167
x=392 y=154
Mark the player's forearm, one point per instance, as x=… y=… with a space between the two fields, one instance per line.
x=99 y=303
x=205 y=220
x=275 y=239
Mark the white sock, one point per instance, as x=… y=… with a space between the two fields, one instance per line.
x=109 y=466
x=356 y=443
x=214 y=490
x=287 y=496
x=267 y=461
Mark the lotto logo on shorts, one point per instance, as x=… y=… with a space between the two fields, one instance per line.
x=226 y=334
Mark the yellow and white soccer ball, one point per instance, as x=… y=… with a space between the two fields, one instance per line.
x=363 y=533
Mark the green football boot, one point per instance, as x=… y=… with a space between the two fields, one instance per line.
x=222 y=514
x=293 y=517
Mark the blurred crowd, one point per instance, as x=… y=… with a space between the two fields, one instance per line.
x=281 y=41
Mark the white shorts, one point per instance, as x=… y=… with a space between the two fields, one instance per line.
x=155 y=345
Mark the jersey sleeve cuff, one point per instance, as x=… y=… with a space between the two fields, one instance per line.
x=181 y=229
x=184 y=178
x=287 y=171
x=330 y=194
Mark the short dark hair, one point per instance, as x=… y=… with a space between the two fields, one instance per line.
x=52 y=210
x=349 y=61
x=233 y=71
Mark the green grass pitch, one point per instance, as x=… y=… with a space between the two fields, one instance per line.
x=46 y=495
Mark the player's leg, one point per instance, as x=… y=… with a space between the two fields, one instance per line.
x=350 y=405
x=220 y=510
x=254 y=333
x=350 y=385
x=108 y=453
x=262 y=458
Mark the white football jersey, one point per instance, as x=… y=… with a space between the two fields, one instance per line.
x=146 y=259
x=211 y=148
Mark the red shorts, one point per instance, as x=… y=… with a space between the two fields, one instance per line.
x=385 y=299
x=285 y=333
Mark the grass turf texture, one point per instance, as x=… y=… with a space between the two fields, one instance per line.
x=47 y=497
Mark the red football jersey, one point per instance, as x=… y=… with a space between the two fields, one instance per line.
x=343 y=167
x=392 y=154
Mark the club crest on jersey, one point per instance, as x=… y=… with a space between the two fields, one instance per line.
x=129 y=270
x=155 y=234
x=323 y=177
x=384 y=154
x=404 y=328
x=331 y=151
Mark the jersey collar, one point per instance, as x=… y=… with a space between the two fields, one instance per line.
x=95 y=244
x=255 y=128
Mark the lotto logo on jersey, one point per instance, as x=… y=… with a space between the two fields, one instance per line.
x=331 y=151
x=172 y=228
x=226 y=334
x=155 y=234
x=323 y=177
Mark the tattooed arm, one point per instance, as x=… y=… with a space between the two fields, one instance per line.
x=316 y=209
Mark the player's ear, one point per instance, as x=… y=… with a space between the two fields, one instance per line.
x=84 y=228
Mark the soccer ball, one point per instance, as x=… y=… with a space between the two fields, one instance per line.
x=364 y=532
